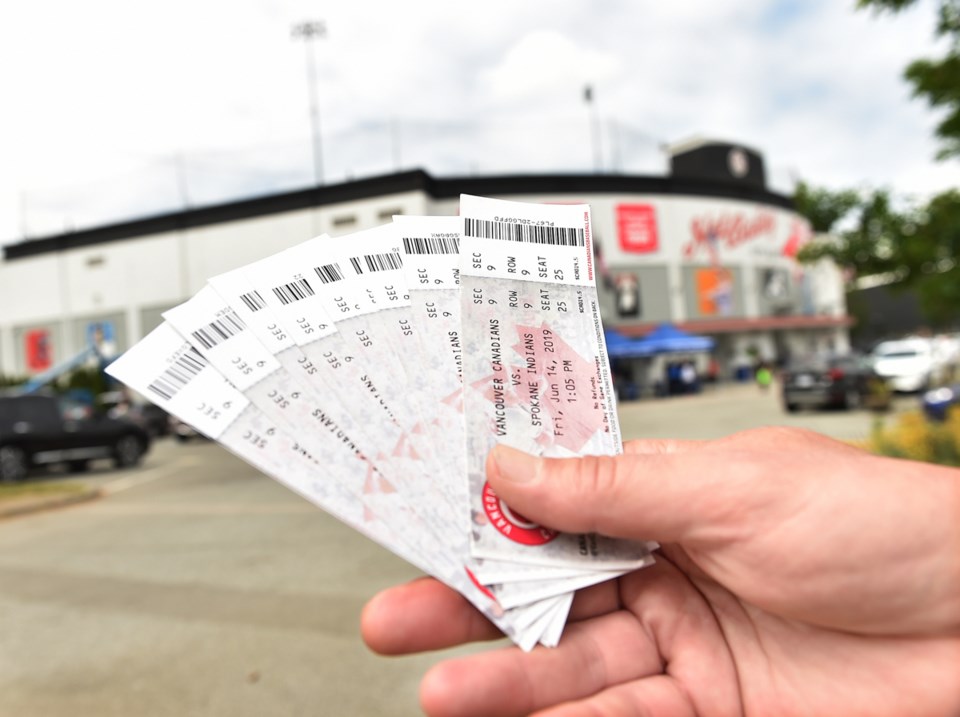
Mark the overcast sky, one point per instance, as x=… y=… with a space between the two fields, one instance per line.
x=114 y=109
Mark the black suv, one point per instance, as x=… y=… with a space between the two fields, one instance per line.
x=44 y=429
x=834 y=381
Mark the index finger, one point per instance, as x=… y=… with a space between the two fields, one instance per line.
x=420 y=616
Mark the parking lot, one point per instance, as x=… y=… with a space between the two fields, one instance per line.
x=197 y=586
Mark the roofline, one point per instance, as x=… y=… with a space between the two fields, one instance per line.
x=740 y=324
x=413 y=180
x=697 y=141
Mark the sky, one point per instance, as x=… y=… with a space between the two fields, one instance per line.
x=117 y=109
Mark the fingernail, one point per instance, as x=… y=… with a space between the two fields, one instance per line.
x=515 y=466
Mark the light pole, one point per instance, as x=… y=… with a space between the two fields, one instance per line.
x=594 y=128
x=309 y=32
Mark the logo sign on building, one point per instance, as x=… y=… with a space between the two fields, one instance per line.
x=637 y=228
x=728 y=230
x=38 y=349
x=800 y=234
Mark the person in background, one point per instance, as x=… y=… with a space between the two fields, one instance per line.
x=688 y=376
x=763 y=376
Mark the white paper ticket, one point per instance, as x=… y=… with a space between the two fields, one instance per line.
x=535 y=370
x=432 y=279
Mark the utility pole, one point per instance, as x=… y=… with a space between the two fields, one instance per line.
x=310 y=31
x=594 y=129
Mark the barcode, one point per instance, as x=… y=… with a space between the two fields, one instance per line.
x=169 y=383
x=377 y=262
x=219 y=330
x=253 y=301
x=526 y=233
x=431 y=245
x=294 y=291
x=329 y=273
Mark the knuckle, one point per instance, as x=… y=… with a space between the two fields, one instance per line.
x=598 y=476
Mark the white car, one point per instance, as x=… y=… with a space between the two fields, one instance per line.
x=908 y=364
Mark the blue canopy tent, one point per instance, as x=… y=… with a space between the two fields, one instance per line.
x=664 y=339
x=620 y=346
x=668 y=339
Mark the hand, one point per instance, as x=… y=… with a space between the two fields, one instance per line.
x=798 y=576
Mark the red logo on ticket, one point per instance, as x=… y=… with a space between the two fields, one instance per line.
x=512 y=524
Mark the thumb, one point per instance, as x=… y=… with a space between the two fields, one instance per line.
x=662 y=496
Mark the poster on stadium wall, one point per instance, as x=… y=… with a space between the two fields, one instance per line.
x=103 y=336
x=714 y=291
x=38 y=350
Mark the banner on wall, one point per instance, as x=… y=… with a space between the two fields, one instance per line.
x=715 y=291
x=38 y=349
x=637 y=228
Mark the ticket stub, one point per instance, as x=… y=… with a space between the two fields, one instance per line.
x=535 y=370
x=217 y=332
x=238 y=291
x=320 y=401
x=431 y=250
x=345 y=297
x=173 y=374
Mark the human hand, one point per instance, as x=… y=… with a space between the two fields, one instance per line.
x=798 y=576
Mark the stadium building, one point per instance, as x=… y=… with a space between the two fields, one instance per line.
x=706 y=247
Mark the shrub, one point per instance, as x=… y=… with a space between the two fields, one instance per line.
x=10 y=381
x=915 y=437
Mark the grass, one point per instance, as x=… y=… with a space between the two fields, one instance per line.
x=19 y=491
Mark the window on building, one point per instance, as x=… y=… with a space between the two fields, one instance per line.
x=345 y=220
x=385 y=215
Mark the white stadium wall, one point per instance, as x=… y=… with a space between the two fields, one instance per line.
x=666 y=248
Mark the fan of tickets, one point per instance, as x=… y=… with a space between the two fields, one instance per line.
x=372 y=374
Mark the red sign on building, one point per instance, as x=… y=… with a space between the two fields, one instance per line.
x=38 y=350
x=637 y=228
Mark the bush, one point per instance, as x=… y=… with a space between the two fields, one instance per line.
x=915 y=437
x=90 y=380
x=10 y=381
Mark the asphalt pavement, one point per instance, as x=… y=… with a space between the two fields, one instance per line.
x=196 y=586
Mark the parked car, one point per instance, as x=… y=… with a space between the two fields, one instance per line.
x=836 y=381
x=40 y=430
x=184 y=432
x=937 y=402
x=151 y=418
x=908 y=365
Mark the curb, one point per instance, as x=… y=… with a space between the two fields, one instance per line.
x=35 y=505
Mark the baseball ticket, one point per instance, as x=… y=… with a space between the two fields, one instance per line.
x=535 y=371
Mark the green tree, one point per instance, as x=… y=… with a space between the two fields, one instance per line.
x=936 y=270
x=913 y=245
x=872 y=244
x=823 y=208
x=936 y=80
